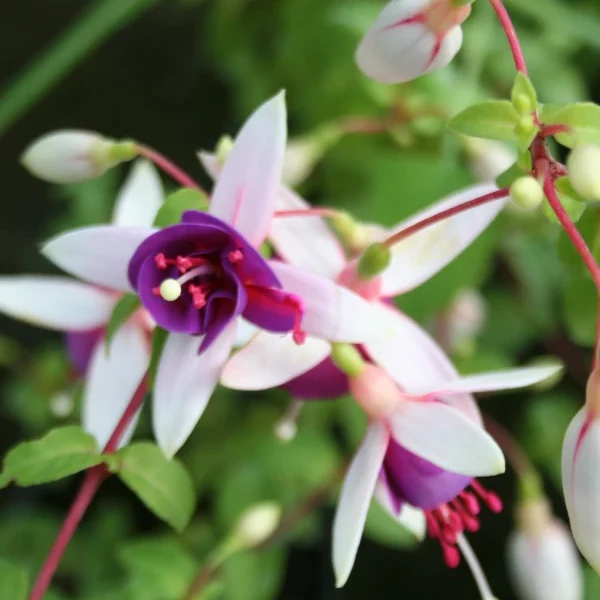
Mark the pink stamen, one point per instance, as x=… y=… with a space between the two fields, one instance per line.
x=298 y=334
x=156 y=291
x=161 y=261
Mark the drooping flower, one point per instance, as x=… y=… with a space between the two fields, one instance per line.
x=410 y=38
x=424 y=445
x=82 y=311
x=306 y=242
x=542 y=558
x=581 y=474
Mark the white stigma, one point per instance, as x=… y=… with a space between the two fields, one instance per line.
x=170 y=290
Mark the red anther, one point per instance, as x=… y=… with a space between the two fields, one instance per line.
x=451 y=556
x=156 y=291
x=433 y=527
x=235 y=256
x=455 y=521
x=470 y=502
x=494 y=502
x=160 y=261
x=449 y=535
x=471 y=524
x=299 y=336
x=183 y=263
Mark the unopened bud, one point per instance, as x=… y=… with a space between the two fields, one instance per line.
x=374 y=260
x=525 y=127
x=69 y=156
x=584 y=171
x=592 y=394
x=257 y=523
x=522 y=104
x=375 y=392
x=347 y=358
x=542 y=559
x=527 y=192
x=223 y=149
x=62 y=404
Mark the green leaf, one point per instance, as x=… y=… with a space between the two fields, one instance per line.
x=523 y=95
x=571 y=201
x=492 y=119
x=60 y=453
x=124 y=308
x=177 y=203
x=160 y=567
x=382 y=528
x=13 y=582
x=163 y=485
x=582 y=118
x=589 y=228
x=159 y=337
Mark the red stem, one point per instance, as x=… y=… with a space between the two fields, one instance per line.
x=91 y=484
x=511 y=35
x=445 y=214
x=170 y=168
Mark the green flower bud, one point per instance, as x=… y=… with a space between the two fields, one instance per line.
x=224 y=147
x=374 y=260
x=527 y=192
x=257 y=524
x=584 y=171
x=347 y=358
x=522 y=104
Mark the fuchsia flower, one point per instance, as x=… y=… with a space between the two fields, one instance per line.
x=82 y=311
x=195 y=278
x=581 y=474
x=410 y=38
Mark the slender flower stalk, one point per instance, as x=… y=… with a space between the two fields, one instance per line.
x=93 y=479
x=444 y=214
x=478 y=575
x=511 y=35
x=310 y=212
x=170 y=168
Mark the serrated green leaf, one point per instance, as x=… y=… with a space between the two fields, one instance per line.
x=382 y=528
x=582 y=118
x=163 y=485
x=13 y=582
x=124 y=308
x=177 y=203
x=60 y=453
x=492 y=119
x=159 y=337
x=523 y=95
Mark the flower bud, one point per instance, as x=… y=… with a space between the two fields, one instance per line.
x=257 y=524
x=223 y=149
x=374 y=260
x=375 y=392
x=584 y=171
x=527 y=192
x=69 y=156
x=542 y=558
x=410 y=38
x=581 y=481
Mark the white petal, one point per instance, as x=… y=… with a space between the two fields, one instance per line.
x=447 y=438
x=510 y=379
x=98 y=254
x=305 y=242
x=391 y=52
x=332 y=312
x=410 y=517
x=355 y=498
x=421 y=255
x=140 y=197
x=246 y=191
x=185 y=381
x=581 y=484
x=112 y=380
x=449 y=48
x=245 y=332
x=545 y=565
x=211 y=163
x=55 y=302
x=272 y=359
x=413 y=359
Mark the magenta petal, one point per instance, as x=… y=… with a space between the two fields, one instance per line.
x=416 y=481
x=271 y=309
x=80 y=347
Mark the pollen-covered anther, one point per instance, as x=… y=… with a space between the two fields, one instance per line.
x=235 y=256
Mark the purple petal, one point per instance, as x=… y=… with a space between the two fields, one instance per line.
x=323 y=382
x=80 y=347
